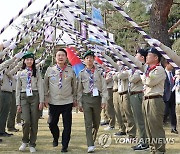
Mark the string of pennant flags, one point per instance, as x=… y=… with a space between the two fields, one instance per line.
x=101 y=34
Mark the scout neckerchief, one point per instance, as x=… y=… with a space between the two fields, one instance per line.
x=150 y=69
x=29 y=76
x=60 y=75
x=133 y=71
x=91 y=78
x=106 y=73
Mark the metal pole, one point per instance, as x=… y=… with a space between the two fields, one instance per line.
x=105 y=25
x=85 y=10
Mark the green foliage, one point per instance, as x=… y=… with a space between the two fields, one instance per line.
x=174 y=16
x=176 y=46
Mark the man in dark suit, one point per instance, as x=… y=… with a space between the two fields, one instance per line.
x=169 y=97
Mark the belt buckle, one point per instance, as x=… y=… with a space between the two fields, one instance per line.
x=146 y=97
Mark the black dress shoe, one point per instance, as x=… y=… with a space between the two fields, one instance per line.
x=104 y=123
x=174 y=131
x=64 y=150
x=141 y=147
x=1 y=140
x=55 y=143
x=13 y=130
x=119 y=133
x=5 y=134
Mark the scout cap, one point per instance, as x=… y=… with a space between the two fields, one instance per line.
x=155 y=51
x=142 y=52
x=28 y=54
x=89 y=53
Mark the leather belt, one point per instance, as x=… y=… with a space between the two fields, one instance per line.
x=23 y=92
x=89 y=94
x=135 y=92
x=115 y=90
x=122 y=93
x=5 y=91
x=152 y=97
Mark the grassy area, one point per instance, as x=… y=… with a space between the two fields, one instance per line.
x=78 y=141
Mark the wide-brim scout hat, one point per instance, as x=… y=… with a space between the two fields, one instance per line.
x=89 y=53
x=28 y=54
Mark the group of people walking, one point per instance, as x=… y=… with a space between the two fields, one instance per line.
x=140 y=99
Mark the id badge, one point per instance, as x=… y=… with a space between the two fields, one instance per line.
x=29 y=92
x=95 y=92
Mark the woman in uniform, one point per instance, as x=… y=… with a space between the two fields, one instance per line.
x=29 y=100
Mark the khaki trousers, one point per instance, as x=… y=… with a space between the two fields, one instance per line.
x=92 y=110
x=136 y=103
x=110 y=108
x=5 y=101
x=125 y=102
x=105 y=115
x=30 y=115
x=178 y=116
x=12 y=112
x=153 y=110
x=118 y=112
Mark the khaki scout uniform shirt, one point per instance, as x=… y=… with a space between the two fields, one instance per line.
x=123 y=81
x=171 y=54
x=135 y=81
x=12 y=74
x=7 y=63
x=154 y=84
x=36 y=84
x=67 y=93
x=99 y=83
x=2 y=54
x=109 y=80
x=115 y=82
x=6 y=84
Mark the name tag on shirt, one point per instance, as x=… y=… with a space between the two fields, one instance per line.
x=95 y=92
x=29 y=92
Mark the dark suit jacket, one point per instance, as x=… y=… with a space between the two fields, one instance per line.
x=167 y=89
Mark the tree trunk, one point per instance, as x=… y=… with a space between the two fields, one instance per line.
x=159 y=20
